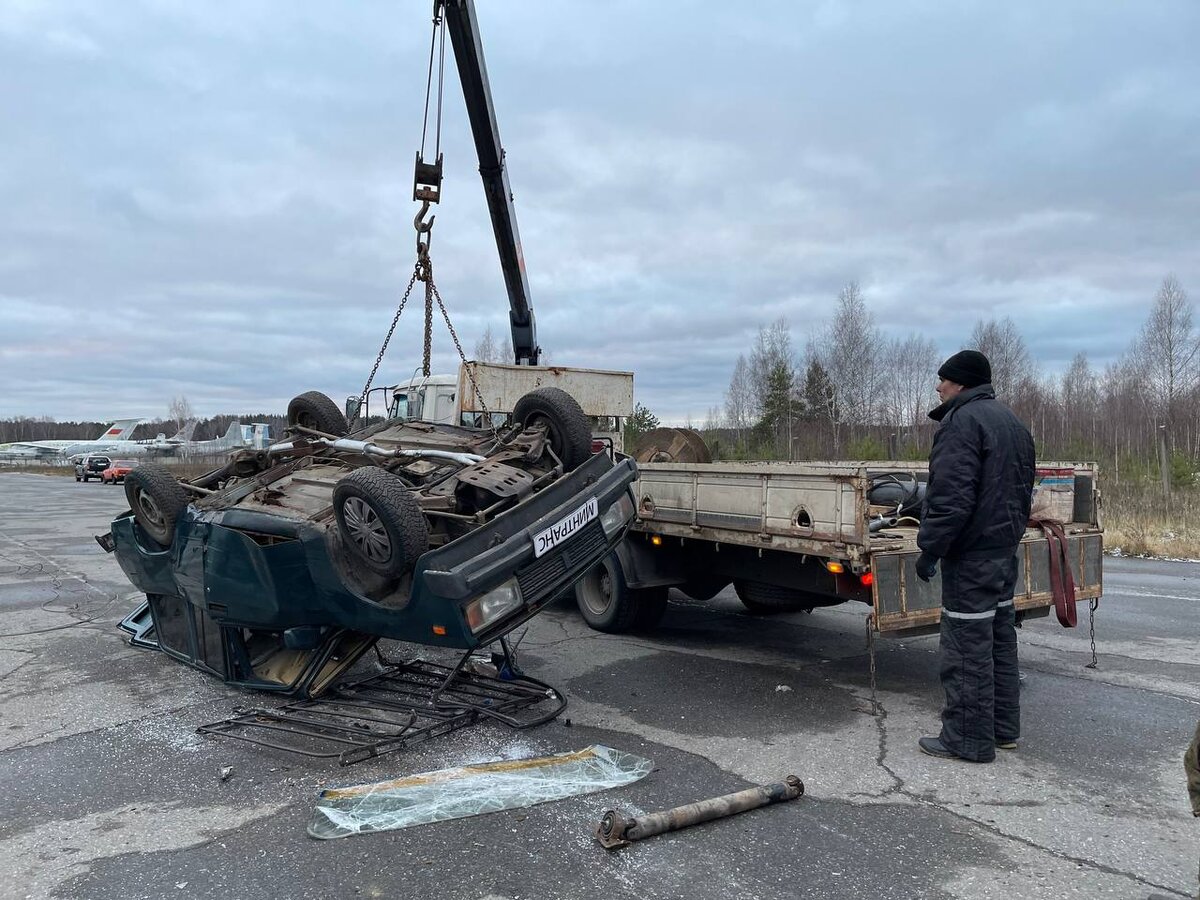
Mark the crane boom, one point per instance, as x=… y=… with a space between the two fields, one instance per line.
x=463 y=27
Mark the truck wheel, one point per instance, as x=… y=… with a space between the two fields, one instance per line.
x=652 y=605
x=760 y=597
x=379 y=521
x=157 y=500
x=704 y=587
x=608 y=604
x=314 y=410
x=567 y=428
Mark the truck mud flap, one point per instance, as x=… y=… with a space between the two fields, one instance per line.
x=904 y=604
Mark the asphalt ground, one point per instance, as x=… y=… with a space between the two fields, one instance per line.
x=109 y=792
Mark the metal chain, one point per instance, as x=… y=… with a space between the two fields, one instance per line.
x=426 y=359
x=362 y=398
x=461 y=355
x=870 y=621
x=1093 y=605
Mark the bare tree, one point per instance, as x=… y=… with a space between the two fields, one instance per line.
x=739 y=398
x=772 y=349
x=1081 y=403
x=488 y=349
x=909 y=380
x=180 y=412
x=851 y=355
x=1166 y=353
x=1012 y=366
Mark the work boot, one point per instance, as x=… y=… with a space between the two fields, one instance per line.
x=933 y=746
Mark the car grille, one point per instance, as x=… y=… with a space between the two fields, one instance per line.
x=543 y=576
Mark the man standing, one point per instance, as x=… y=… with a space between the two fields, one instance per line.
x=977 y=501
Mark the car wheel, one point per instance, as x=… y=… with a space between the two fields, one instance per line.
x=314 y=410
x=704 y=587
x=380 y=522
x=157 y=500
x=79 y=478
x=567 y=428
x=608 y=604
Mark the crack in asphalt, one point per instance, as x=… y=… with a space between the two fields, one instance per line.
x=899 y=787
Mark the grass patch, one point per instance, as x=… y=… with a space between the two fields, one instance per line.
x=1140 y=521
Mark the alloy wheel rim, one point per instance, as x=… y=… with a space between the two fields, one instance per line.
x=366 y=530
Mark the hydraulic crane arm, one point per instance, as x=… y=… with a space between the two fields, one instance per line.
x=463 y=27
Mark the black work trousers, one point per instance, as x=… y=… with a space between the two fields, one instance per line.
x=979 y=655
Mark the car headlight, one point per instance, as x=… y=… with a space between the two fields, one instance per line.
x=617 y=515
x=495 y=604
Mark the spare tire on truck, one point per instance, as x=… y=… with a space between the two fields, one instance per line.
x=157 y=500
x=567 y=428
x=761 y=597
x=380 y=522
x=314 y=410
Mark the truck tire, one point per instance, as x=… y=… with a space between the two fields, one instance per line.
x=608 y=604
x=704 y=587
x=314 y=410
x=567 y=428
x=157 y=500
x=761 y=597
x=379 y=521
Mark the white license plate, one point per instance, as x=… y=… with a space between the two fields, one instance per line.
x=564 y=529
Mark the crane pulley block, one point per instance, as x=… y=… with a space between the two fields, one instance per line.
x=427 y=180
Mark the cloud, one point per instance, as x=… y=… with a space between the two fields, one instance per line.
x=217 y=201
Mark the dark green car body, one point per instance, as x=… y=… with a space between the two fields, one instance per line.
x=232 y=572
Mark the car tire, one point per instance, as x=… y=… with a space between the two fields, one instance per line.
x=568 y=429
x=379 y=521
x=157 y=500
x=314 y=410
x=79 y=478
x=608 y=604
x=703 y=588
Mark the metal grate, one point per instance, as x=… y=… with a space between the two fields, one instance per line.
x=543 y=575
x=387 y=712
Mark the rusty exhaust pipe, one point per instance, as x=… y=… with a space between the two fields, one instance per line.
x=616 y=831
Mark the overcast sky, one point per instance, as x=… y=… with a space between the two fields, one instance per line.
x=214 y=199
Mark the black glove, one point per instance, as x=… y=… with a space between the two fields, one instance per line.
x=926 y=566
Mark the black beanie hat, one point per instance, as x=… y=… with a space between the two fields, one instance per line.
x=970 y=368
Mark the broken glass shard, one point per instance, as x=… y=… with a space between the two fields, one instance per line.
x=472 y=790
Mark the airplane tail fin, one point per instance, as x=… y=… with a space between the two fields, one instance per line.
x=120 y=430
x=185 y=433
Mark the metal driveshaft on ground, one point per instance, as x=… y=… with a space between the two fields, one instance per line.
x=616 y=831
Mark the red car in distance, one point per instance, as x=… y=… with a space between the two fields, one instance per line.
x=117 y=471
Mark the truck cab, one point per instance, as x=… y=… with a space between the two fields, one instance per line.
x=484 y=389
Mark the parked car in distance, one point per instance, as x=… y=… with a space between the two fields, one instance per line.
x=90 y=467
x=117 y=471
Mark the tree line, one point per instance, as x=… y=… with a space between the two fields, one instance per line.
x=853 y=392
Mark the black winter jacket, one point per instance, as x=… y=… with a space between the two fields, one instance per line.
x=981 y=472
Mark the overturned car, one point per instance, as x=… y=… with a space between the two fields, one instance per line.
x=279 y=569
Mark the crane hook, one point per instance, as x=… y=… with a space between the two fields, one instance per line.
x=419 y=222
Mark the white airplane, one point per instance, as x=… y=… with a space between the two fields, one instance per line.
x=256 y=435
x=115 y=437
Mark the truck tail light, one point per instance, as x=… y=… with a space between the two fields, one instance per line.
x=834 y=566
x=867 y=579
